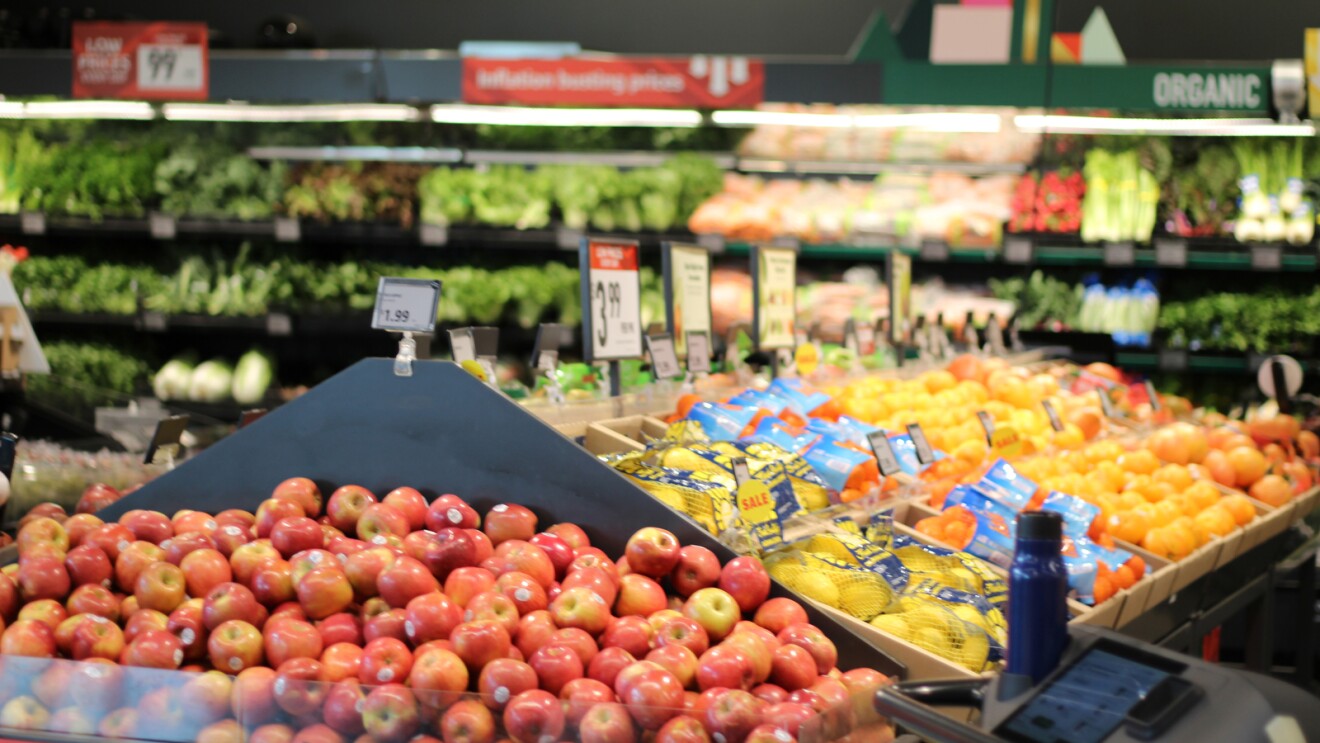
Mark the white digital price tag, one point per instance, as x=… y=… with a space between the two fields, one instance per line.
x=664 y=359
x=774 y=297
x=463 y=346
x=611 y=300
x=686 y=273
x=171 y=67
x=406 y=305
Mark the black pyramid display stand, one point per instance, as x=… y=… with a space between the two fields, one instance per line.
x=440 y=431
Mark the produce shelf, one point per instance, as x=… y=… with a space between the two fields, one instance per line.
x=440 y=431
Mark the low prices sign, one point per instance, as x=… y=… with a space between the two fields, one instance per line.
x=140 y=60
x=695 y=82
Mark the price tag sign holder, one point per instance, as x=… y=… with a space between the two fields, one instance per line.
x=685 y=270
x=774 y=300
x=406 y=306
x=611 y=304
x=664 y=359
x=164 y=446
x=698 y=358
x=550 y=337
x=900 y=301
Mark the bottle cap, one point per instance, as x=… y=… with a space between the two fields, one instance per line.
x=1040 y=525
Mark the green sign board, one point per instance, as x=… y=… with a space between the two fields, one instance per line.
x=1244 y=90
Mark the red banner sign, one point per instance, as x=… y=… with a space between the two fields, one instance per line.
x=140 y=60
x=695 y=82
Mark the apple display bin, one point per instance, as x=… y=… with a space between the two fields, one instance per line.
x=67 y=701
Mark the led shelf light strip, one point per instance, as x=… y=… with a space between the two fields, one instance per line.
x=1257 y=127
x=460 y=113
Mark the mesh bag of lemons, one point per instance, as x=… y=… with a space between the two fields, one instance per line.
x=945 y=602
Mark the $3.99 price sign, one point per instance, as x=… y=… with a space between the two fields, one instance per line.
x=611 y=301
x=406 y=305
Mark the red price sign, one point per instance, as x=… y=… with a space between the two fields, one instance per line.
x=683 y=82
x=161 y=60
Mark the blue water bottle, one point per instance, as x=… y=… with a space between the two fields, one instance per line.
x=1037 y=593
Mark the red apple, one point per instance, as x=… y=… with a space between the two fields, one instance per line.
x=272 y=584
x=811 y=639
x=438 y=678
x=793 y=668
x=733 y=714
x=607 y=665
x=378 y=519
x=464 y=583
x=757 y=651
x=678 y=660
x=293 y=534
x=340 y=661
x=777 y=613
x=272 y=511
x=697 y=568
x=450 y=510
x=234 y=645
x=96 y=638
x=9 y=599
x=87 y=564
x=768 y=733
x=237 y=517
x=580 y=695
x=342 y=627
x=392 y=623
x=745 y=579
x=448 y=549
x=185 y=623
x=685 y=631
x=121 y=723
x=373 y=607
x=24 y=713
x=47 y=611
x=555 y=666
x=285 y=639
x=154 y=649
x=715 y=610
x=524 y=557
x=222 y=731
x=410 y=503
x=110 y=538
x=390 y=714
x=186 y=520
x=484 y=546
x=206 y=696
x=639 y=596
x=248 y=558
x=204 y=569
x=343 y=705
x=346 y=505
x=560 y=553
x=479 y=643
x=364 y=567
x=593 y=557
x=607 y=723
x=509 y=521
x=770 y=693
x=272 y=734
x=534 y=630
x=571 y=533
x=313 y=559
x=652 y=551
x=431 y=616
x=144 y=620
x=725 y=666
x=43 y=578
x=385 y=660
x=299 y=687
x=502 y=679
x=97 y=496
x=683 y=729
x=148 y=526
x=653 y=698
x=404 y=580
x=534 y=716
x=577 y=640
x=468 y=721
x=493 y=606
x=582 y=608
x=324 y=591
x=160 y=586
x=318 y=734
x=42 y=532
x=253 y=698
x=229 y=537
x=302 y=491
x=631 y=633
x=93 y=599
x=71 y=720
x=596 y=579
x=229 y=601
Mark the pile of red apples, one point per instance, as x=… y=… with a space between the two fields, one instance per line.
x=393 y=619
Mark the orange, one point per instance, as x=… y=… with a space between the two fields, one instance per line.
x=1240 y=507
x=1087 y=419
x=1176 y=475
x=1249 y=465
x=1157 y=542
x=1203 y=494
x=1216 y=463
x=1106 y=371
x=938 y=381
x=1216 y=520
x=1103 y=589
x=1129 y=526
x=1181 y=540
x=966 y=367
x=1140 y=462
x=1272 y=490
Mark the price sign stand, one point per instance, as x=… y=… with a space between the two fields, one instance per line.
x=698 y=358
x=611 y=304
x=686 y=282
x=406 y=306
x=774 y=301
x=164 y=445
x=545 y=358
x=900 y=301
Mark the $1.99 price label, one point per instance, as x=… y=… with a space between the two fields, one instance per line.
x=612 y=299
x=406 y=305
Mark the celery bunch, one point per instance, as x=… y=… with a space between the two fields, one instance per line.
x=1121 y=197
